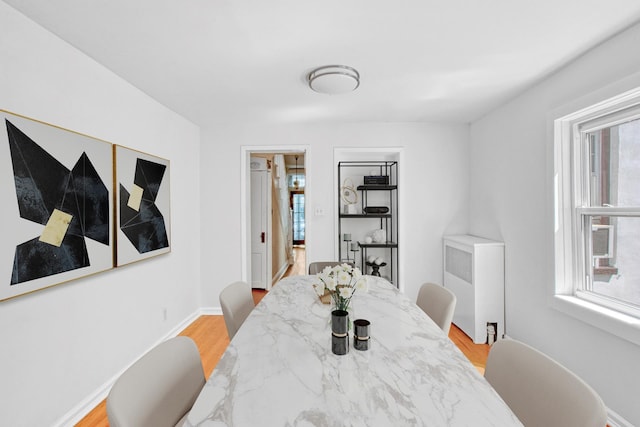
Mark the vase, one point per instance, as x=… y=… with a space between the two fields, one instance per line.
x=379 y=236
x=339 y=332
x=361 y=334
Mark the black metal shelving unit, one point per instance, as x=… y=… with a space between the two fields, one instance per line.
x=388 y=221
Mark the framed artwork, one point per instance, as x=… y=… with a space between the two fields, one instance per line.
x=56 y=188
x=143 y=214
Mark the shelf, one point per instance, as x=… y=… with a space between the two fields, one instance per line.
x=371 y=215
x=374 y=187
x=359 y=221
x=378 y=245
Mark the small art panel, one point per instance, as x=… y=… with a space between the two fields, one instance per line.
x=56 y=188
x=143 y=215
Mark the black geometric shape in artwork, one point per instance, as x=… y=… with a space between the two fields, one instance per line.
x=87 y=196
x=149 y=177
x=35 y=259
x=145 y=228
x=39 y=178
x=44 y=184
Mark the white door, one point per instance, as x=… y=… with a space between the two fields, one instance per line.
x=260 y=230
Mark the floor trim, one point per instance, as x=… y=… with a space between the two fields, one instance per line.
x=78 y=412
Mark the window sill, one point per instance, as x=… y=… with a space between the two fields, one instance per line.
x=619 y=324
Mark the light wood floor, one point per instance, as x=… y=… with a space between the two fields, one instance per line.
x=210 y=335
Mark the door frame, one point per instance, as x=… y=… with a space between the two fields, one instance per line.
x=245 y=198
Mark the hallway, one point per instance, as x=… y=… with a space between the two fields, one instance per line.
x=298 y=266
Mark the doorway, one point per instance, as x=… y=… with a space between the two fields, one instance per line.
x=280 y=234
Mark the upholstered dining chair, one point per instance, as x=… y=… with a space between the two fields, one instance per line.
x=318 y=266
x=160 y=388
x=539 y=390
x=237 y=303
x=439 y=303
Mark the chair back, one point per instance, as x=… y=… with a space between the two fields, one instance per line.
x=237 y=303
x=439 y=303
x=160 y=388
x=539 y=390
x=318 y=266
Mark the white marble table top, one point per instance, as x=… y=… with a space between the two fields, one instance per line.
x=279 y=370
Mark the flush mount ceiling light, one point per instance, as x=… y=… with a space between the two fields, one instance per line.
x=334 y=79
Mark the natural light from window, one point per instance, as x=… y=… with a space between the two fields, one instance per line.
x=614 y=163
x=597 y=206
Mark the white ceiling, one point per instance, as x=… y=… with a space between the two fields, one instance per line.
x=216 y=61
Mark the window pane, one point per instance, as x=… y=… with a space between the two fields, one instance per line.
x=614 y=163
x=615 y=250
x=298 y=217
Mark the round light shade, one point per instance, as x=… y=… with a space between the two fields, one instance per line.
x=334 y=79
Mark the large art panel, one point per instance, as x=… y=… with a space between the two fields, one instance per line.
x=143 y=215
x=56 y=192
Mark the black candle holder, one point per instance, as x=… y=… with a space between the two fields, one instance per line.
x=361 y=336
x=347 y=239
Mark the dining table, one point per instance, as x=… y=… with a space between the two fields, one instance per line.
x=279 y=369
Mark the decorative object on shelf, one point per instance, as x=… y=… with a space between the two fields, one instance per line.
x=376 y=180
x=349 y=196
x=368 y=240
x=347 y=238
x=341 y=282
x=375 y=266
x=379 y=236
x=334 y=79
x=354 y=248
x=361 y=334
x=339 y=332
x=376 y=210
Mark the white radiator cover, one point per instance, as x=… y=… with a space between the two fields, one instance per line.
x=474 y=272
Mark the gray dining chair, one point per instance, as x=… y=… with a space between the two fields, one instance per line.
x=439 y=303
x=160 y=388
x=539 y=390
x=237 y=303
x=318 y=266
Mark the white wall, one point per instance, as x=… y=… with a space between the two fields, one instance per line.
x=60 y=345
x=511 y=200
x=434 y=189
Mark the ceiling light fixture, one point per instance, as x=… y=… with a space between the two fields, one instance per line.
x=334 y=79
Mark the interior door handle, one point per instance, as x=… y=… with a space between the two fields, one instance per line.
x=262 y=236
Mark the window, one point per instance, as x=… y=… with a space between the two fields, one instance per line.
x=597 y=183
x=298 y=218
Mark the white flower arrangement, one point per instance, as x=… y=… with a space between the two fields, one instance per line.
x=341 y=282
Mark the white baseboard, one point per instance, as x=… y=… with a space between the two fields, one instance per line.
x=615 y=420
x=211 y=311
x=78 y=412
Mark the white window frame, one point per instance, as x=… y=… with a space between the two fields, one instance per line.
x=568 y=160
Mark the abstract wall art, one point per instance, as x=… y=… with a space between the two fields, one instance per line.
x=56 y=189
x=143 y=215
